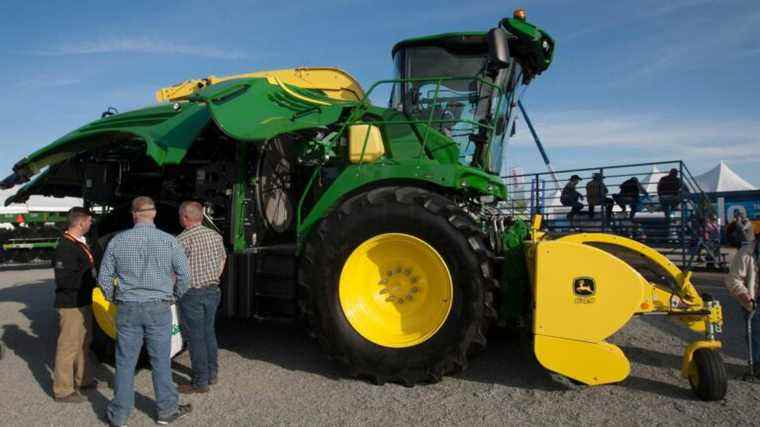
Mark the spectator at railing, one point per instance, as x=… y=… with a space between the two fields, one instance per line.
x=740 y=231
x=630 y=194
x=571 y=197
x=670 y=191
x=596 y=193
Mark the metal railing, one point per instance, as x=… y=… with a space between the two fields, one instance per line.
x=677 y=224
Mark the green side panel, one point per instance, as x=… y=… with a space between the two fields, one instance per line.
x=167 y=130
x=239 y=190
x=254 y=110
x=404 y=138
x=515 y=280
x=425 y=171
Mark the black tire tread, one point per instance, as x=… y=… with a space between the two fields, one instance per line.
x=713 y=379
x=320 y=240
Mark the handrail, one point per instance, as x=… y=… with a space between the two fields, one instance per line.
x=682 y=232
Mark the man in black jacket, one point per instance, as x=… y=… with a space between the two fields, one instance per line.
x=74 y=281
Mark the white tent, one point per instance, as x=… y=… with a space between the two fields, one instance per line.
x=36 y=203
x=650 y=181
x=722 y=178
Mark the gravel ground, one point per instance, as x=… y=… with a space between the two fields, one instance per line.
x=273 y=374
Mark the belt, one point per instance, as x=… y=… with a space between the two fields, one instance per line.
x=150 y=301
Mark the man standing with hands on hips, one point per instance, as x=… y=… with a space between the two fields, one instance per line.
x=74 y=281
x=205 y=252
x=138 y=274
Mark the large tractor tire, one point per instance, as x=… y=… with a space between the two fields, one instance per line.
x=397 y=285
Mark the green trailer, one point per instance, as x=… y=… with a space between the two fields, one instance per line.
x=31 y=236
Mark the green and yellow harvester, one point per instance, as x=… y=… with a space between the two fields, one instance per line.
x=380 y=225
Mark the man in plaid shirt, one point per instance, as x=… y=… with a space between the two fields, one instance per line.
x=205 y=252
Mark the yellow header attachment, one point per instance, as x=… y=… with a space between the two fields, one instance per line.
x=336 y=83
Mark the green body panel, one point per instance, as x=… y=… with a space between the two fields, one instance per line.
x=254 y=110
x=168 y=131
x=426 y=172
x=239 y=191
x=515 y=280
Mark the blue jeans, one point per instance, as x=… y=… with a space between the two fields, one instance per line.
x=198 y=313
x=151 y=321
x=755 y=337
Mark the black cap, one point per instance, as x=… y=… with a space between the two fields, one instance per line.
x=575 y=177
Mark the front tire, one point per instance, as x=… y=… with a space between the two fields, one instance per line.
x=708 y=379
x=397 y=285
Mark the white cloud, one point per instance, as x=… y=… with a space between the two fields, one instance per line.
x=693 y=44
x=650 y=135
x=141 y=45
x=670 y=6
x=46 y=82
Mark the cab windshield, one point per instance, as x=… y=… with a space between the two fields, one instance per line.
x=456 y=93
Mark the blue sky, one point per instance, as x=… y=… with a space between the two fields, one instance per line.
x=632 y=81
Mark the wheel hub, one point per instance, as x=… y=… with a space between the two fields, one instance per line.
x=396 y=290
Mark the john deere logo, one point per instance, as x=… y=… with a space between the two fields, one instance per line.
x=584 y=286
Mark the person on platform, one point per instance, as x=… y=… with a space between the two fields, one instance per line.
x=630 y=195
x=571 y=197
x=596 y=194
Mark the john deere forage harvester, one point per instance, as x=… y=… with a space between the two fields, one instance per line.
x=379 y=224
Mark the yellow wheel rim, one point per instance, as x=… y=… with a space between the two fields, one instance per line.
x=395 y=290
x=104 y=312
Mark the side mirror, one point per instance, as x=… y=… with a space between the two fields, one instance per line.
x=498 y=49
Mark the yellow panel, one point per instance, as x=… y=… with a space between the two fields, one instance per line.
x=688 y=293
x=337 y=84
x=357 y=135
x=104 y=312
x=589 y=363
x=561 y=312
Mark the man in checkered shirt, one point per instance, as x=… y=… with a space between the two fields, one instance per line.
x=205 y=252
x=143 y=271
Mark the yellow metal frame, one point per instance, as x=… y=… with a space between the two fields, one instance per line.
x=104 y=312
x=334 y=82
x=583 y=294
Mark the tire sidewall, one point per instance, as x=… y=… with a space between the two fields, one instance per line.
x=463 y=264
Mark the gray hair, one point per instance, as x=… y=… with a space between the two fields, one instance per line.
x=192 y=210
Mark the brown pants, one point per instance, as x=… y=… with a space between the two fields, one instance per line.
x=73 y=363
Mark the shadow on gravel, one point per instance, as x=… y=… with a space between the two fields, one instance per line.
x=509 y=362
x=282 y=344
x=25 y=267
x=37 y=348
x=660 y=388
x=289 y=346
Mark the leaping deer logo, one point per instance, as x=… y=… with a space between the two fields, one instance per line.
x=584 y=286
